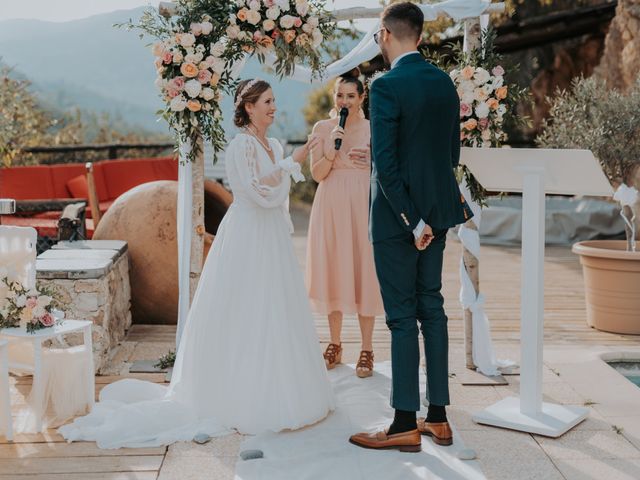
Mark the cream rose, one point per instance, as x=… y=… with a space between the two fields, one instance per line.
x=206 y=27
x=217 y=49
x=289 y=35
x=207 y=94
x=215 y=78
x=313 y=21
x=467 y=72
x=254 y=5
x=178 y=104
x=268 y=25
x=482 y=110
x=302 y=7
x=196 y=29
x=273 y=12
x=187 y=40
x=193 y=88
x=233 y=31
x=253 y=17
x=287 y=21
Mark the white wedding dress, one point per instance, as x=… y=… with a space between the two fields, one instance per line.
x=249 y=358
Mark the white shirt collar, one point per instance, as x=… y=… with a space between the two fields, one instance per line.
x=397 y=59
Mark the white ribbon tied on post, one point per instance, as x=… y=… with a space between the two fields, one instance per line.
x=627 y=197
x=483 y=354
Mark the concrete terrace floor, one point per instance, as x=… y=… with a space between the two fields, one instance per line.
x=605 y=446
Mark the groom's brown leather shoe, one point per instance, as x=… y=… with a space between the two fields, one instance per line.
x=439 y=432
x=405 y=441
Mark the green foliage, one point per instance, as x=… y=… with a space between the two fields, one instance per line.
x=607 y=122
x=166 y=361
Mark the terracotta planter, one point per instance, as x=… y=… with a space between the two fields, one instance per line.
x=612 y=285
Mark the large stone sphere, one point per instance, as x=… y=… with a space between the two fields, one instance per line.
x=145 y=217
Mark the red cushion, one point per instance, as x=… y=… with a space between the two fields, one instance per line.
x=124 y=174
x=61 y=174
x=78 y=187
x=45 y=227
x=25 y=183
x=166 y=168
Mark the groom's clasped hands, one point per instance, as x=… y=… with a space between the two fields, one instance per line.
x=425 y=238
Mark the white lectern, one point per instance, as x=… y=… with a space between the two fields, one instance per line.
x=534 y=172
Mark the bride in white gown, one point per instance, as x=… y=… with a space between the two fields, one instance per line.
x=249 y=358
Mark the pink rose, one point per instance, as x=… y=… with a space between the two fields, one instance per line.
x=269 y=3
x=483 y=123
x=297 y=22
x=167 y=58
x=257 y=35
x=178 y=82
x=32 y=302
x=204 y=76
x=47 y=320
x=498 y=71
x=465 y=110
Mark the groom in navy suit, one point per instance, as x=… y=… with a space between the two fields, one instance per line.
x=415 y=199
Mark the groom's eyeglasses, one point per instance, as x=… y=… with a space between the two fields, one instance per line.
x=376 y=36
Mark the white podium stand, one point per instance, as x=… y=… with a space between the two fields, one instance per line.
x=534 y=172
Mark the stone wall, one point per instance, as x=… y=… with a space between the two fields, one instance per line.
x=100 y=291
x=620 y=63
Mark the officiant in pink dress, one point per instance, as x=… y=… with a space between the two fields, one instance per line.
x=340 y=276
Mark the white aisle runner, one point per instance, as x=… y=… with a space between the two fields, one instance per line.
x=323 y=452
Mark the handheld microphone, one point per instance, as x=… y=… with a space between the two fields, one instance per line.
x=344 y=113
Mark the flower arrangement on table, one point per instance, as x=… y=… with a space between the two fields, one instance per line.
x=31 y=309
x=197 y=48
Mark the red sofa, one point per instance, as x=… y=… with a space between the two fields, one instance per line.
x=65 y=181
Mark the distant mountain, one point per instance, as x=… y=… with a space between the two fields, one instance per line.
x=90 y=64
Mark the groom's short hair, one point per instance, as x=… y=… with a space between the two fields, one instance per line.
x=404 y=20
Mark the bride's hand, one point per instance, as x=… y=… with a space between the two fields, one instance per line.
x=300 y=154
x=361 y=157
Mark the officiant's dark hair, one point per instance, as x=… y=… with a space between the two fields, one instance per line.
x=352 y=76
x=240 y=116
x=404 y=20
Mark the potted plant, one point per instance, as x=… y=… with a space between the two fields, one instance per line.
x=607 y=122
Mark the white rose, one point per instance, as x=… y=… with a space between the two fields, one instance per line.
x=273 y=12
x=467 y=97
x=254 y=5
x=217 y=49
x=481 y=76
x=207 y=94
x=486 y=134
x=308 y=29
x=453 y=74
x=200 y=48
x=313 y=21
x=178 y=103
x=217 y=65
x=287 y=21
x=233 y=31
x=206 y=27
x=206 y=107
x=316 y=38
x=21 y=301
x=482 y=110
x=253 y=17
x=38 y=312
x=43 y=301
x=196 y=29
x=178 y=57
x=240 y=3
x=302 y=7
x=487 y=88
x=187 y=40
x=501 y=110
x=232 y=19
x=193 y=88
x=283 y=4
x=268 y=25
x=194 y=58
x=497 y=82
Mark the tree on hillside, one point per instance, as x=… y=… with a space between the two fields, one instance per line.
x=25 y=123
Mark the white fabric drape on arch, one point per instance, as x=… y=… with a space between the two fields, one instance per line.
x=365 y=50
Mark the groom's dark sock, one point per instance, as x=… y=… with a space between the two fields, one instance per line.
x=403 y=421
x=436 y=414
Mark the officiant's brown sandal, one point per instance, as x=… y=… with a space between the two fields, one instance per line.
x=333 y=355
x=364 y=367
